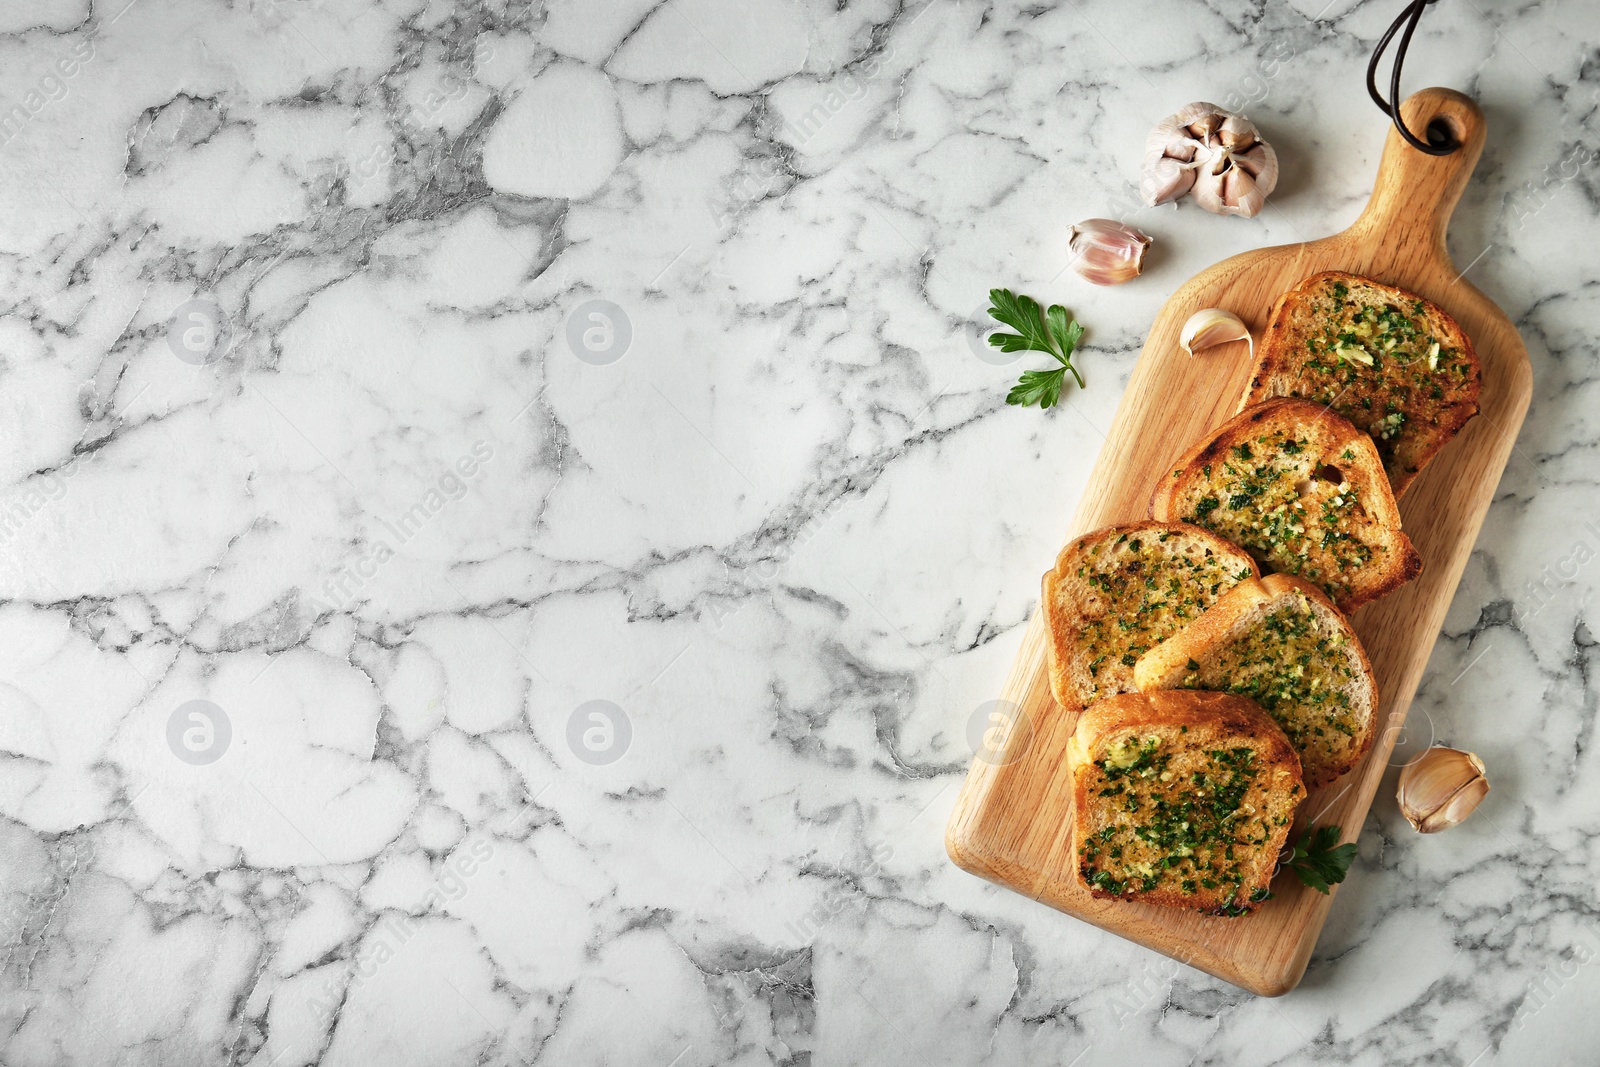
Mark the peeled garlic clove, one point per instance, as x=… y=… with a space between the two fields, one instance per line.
x=1107 y=252
x=1440 y=788
x=1213 y=326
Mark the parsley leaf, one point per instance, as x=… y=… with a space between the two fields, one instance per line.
x=1316 y=860
x=1054 y=332
x=1042 y=387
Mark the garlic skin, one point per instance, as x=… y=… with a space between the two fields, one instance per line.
x=1213 y=326
x=1214 y=155
x=1107 y=252
x=1440 y=788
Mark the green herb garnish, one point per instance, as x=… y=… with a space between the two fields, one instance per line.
x=1054 y=332
x=1317 y=861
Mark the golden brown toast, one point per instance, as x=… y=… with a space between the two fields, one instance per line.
x=1281 y=642
x=1396 y=365
x=1182 y=799
x=1304 y=491
x=1119 y=591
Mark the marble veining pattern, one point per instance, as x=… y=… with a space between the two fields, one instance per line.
x=503 y=526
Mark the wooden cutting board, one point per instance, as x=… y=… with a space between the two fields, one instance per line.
x=1012 y=822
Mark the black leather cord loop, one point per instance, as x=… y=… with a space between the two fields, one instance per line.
x=1440 y=142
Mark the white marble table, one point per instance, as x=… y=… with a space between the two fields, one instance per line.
x=504 y=529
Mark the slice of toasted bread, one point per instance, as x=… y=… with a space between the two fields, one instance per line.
x=1282 y=643
x=1304 y=491
x=1394 y=364
x=1120 y=591
x=1181 y=798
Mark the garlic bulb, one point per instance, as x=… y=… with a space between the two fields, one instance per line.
x=1213 y=326
x=1107 y=252
x=1440 y=788
x=1215 y=155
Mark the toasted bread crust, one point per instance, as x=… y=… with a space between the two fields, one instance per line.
x=1371 y=555
x=1078 y=599
x=1167 y=665
x=1194 y=722
x=1410 y=402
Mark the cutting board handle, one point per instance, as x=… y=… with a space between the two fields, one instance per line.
x=1415 y=192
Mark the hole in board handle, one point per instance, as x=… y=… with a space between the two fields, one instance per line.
x=1442 y=133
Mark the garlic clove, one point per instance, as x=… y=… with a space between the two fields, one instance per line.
x=1213 y=326
x=1257 y=176
x=1170 y=139
x=1236 y=131
x=1207 y=191
x=1241 y=194
x=1107 y=252
x=1458 y=807
x=1440 y=788
x=1226 y=189
x=1201 y=117
x=1165 y=180
x=1261 y=162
